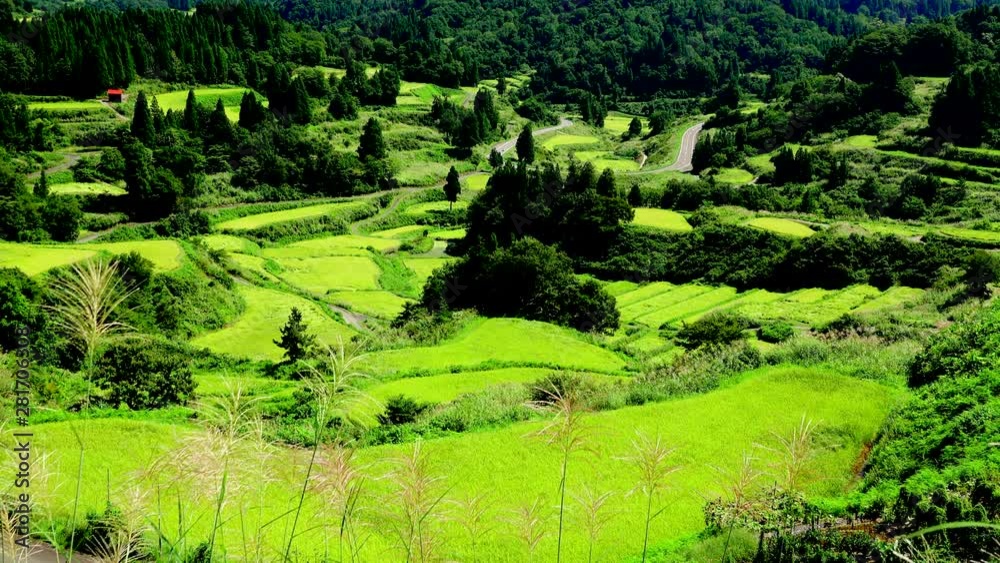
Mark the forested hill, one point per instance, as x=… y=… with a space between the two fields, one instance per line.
x=637 y=49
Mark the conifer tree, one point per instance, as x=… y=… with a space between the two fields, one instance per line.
x=634 y=128
x=142 y=121
x=41 y=188
x=192 y=117
x=526 y=145
x=295 y=339
x=372 y=144
x=452 y=187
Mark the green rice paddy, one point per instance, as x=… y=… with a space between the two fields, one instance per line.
x=297 y=214
x=376 y=303
x=252 y=335
x=781 y=226
x=33 y=259
x=86 y=188
x=661 y=219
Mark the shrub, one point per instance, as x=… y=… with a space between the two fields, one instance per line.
x=400 y=410
x=713 y=329
x=144 y=374
x=775 y=332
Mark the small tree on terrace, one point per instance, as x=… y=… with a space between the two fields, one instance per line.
x=634 y=128
x=372 y=144
x=295 y=338
x=452 y=187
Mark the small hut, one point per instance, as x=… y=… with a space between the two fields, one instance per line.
x=115 y=95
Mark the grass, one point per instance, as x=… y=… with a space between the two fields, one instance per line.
x=516 y=470
x=164 y=254
x=607 y=159
x=475 y=183
x=335 y=245
x=734 y=176
x=252 y=335
x=618 y=123
x=661 y=219
x=422 y=209
x=781 y=226
x=86 y=188
x=67 y=105
x=564 y=140
x=408 y=231
x=376 y=303
x=449 y=234
x=330 y=273
x=862 y=141
x=515 y=341
x=270 y=218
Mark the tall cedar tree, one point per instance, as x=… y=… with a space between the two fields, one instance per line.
x=296 y=340
x=142 y=121
x=372 y=144
x=192 y=112
x=526 y=145
x=41 y=188
x=452 y=187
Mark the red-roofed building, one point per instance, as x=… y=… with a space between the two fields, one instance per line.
x=116 y=95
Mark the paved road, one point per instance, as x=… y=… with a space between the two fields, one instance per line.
x=683 y=162
x=510 y=143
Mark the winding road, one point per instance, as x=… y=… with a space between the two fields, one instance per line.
x=510 y=143
x=683 y=162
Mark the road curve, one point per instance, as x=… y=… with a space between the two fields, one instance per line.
x=683 y=162
x=510 y=143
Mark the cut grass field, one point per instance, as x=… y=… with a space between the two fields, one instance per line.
x=333 y=246
x=86 y=188
x=68 y=105
x=511 y=341
x=475 y=183
x=617 y=123
x=781 y=226
x=661 y=219
x=607 y=159
x=422 y=209
x=33 y=259
x=744 y=415
x=297 y=214
x=230 y=243
x=252 y=335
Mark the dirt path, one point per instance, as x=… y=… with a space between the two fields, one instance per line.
x=353 y=319
x=71 y=159
x=510 y=143
x=393 y=205
x=683 y=162
x=44 y=553
x=94 y=236
x=114 y=110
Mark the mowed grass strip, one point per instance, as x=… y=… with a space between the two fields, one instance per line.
x=272 y=217
x=749 y=413
x=641 y=293
x=252 y=335
x=661 y=219
x=514 y=341
x=781 y=226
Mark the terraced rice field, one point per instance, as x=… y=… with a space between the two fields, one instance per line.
x=322 y=275
x=662 y=304
x=34 y=259
x=333 y=246
x=447 y=387
x=422 y=209
x=618 y=124
x=252 y=335
x=567 y=140
x=297 y=214
x=231 y=98
x=378 y=303
x=68 y=105
x=475 y=183
x=230 y=243
x=424 y=267
x=748 y=413
x=661 y=219
x=734 y=176
x=514 y=341
x=781 y=226
x=409 y=231
x=86 y=188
